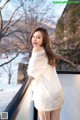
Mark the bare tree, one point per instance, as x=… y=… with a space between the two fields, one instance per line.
x=5 y=63
x=5 y=30
x=20 y=29
x=34 y=13
x=2 y=4
x=8 y=71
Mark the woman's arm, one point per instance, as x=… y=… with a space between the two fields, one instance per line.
x=29 y=81
x=38 y=62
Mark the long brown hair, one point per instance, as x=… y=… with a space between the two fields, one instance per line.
x=46 y=44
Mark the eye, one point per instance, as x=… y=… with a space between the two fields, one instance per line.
x=38 y=37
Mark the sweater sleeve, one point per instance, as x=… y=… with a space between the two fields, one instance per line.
x=38 y=64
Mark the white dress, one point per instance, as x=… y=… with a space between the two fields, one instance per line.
x=47 y=92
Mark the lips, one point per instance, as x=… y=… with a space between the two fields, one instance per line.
x=34 y=43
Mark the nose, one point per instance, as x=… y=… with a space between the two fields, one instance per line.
x=34 y=39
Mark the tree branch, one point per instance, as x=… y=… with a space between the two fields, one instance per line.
x=11 y=17
x=66 y=60
x=9 y=60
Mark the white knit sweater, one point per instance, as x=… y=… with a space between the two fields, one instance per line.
x=47 y=91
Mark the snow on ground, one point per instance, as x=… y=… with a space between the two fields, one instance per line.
x=8 y=91
x=6 y=95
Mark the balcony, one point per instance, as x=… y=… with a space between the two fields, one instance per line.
x=18 y=110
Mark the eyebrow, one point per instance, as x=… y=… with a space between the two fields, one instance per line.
x=37 y=35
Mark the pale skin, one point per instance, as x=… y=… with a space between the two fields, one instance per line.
x=37 y=40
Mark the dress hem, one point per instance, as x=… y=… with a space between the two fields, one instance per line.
x=48 y=108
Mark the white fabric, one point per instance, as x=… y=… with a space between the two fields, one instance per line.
x=47 y=91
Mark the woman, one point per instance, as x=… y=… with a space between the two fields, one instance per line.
x=47 y=92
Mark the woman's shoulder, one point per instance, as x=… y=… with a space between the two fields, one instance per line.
x=38 y=51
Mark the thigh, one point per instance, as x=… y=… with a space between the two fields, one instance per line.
x=41 y=115
x=55 y=114
x=47 y=115
x=44 y=115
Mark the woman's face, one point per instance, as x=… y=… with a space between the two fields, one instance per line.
x=37 y=39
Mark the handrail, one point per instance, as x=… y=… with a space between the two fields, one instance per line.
x=68 y=72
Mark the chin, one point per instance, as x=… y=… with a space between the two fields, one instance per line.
x=35 y=45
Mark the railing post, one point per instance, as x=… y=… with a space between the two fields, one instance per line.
x=35 y=114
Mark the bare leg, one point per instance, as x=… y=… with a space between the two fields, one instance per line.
x=55 y=114
x=47 y=115
x=41 y=115
x=44 y=115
